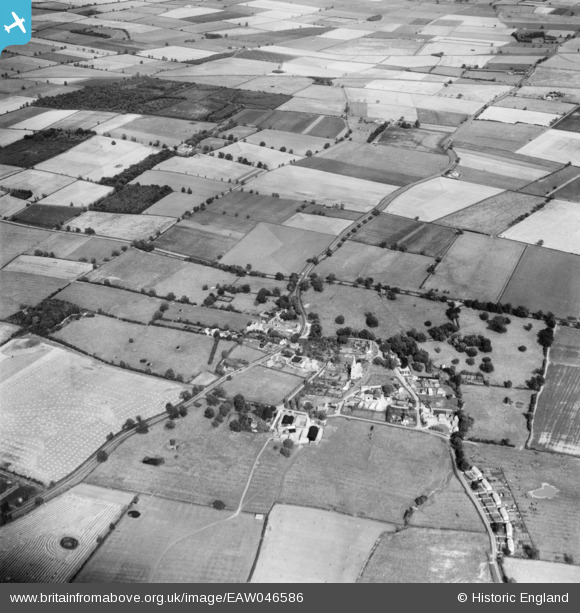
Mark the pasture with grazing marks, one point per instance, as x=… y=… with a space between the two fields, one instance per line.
x=338 y=546
x=142 y=347
x=209 y=463
x=58 y=406
x=346 y=473
x=118 y=225
x=477 y=266
x=261 y=384
x=32 y=549
x=420 y=555
x=185 y=544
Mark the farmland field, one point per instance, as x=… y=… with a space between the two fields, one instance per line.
x=153 y=347
x=553 y=181
x=6 y=331
x=119 y=225
x=185 y=544
x=323 y=187
x=58 y=406
x=548 y=280
x=9 y=205
x=205 y=166
x=46 y=216
x=439 y=197
x=209 y=463
x=420 y=555
x=261 y=384
x=201 y=188
x=318 y=223
x=297 y=143
x=22 y=288
x=571 y=191
x=525 y=471
x=536 y=571
x=497 y=135
x=15 y=239
x=47 y=267
x=493 y=215
x=397 y=269
x=494 y=419
x=270 y=248
x=378 y=477
x=31 y=546
x=77 y=246
x=557 y=225
x=211 y=317
x=555 y=145
x=97 y=158
x=256 y=207
x=40 y=183
x=80 y=193
x=338 y=546
x=477 y=266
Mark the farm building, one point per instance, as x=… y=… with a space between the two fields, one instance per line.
x=297 y=427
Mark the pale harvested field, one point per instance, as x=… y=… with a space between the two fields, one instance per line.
x=6 y=331
x=8 y=136
x=494 y=215
x=555 y=145
x=323 y=187
x=536 y=571
x=42 y=121
x=318 y=223
x=185 y=544
x=551 y=522
x=476 y=266
x=271 y=248
x=400 y=315
x=174 y=205
x=495 y=420
x=255 y=154
x=79 y=193
x=160 y=348
x=97 y=157
x=303 y=545
x=206 y=166
x=557 y=225
x=40 y=183
x=31 y=550
x=420 y=555
x=16 y=239
x=139 y=270
x=507 y=115
x=439 y=197
x=10 y=206
x=58 y=406
x=500 y=165
x=201 y=188
x=118 y=225
x=509 y=363
x=298 y=143
x=376 y=478
x=21 y=288
x=75 y=245
x=395 y=268
x=497 y=135
x=48 y=267
x=209 y=463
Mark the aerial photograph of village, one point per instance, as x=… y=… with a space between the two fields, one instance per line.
x=290 y=291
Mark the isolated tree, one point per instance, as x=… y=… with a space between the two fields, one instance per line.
x=102 y=455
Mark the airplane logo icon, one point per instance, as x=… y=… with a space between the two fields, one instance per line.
x=17 y=23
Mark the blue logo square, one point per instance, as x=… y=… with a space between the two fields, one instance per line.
x=15 y=22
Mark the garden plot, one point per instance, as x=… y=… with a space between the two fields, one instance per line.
x=556 y=226
x=78 y=194
x=206 y=166
x=129 y=227
x=338 y=546
x=548 y=280
x=58 y=406
x=419 y=555
x=196 y=545
x=295 y=143
x=496 y=164
x=152 y=347
x=477 y=267
x=97 y=158
x=271 y=248
x=555 y=145
x=323 y=187
x=439 y=197
x=507 y=115
x=32 y=546
x=40 y=183
x=255 y=154
x=318 y=223
x=48 y=267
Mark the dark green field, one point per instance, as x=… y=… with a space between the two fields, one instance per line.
x=46 y=216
